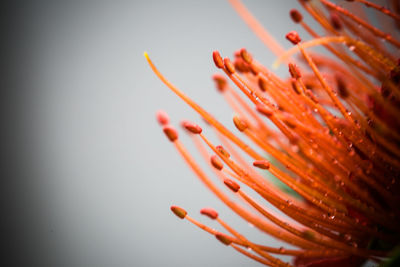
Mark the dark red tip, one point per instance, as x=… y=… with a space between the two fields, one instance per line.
x=220 y=82
x=170 y=132
x=335 y=21
x=342 y=88
x=311 y=95
x=216 y=162
x=191 y=127
x=218 y=60
x=254 y=69
x=226 y=240
x=294 y=86
x=262 y=164
x=288 y=122
x=232 y=185
x=222 y=150
x=263 y=109
x=229 y=65
x=293 y=37
x=178 y=211
x=240 y=124
x=262 y=83
x=162 y=117
x=246 y=56
x=241 y=66
x=294 y=71
x=209 y=212
x=296 y=15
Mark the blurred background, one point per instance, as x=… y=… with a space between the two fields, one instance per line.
x=89 y=176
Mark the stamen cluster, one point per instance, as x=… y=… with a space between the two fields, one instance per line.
x=330 y=132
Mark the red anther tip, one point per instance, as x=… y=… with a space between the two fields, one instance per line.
x=310 y=94
x=308 y=234
x=264 y=110
x=220 y=82
x=216 y=162
x=241 y=66
x=191 y=127
x=226 y=240
x=335 y=21
x=341 y=87
x=296 y=15
x=262 y=83
x=294 y=71
x=170 y=132
x=218 y=60
x=178 y=211
x=288 y=122
x=295 y=88
x=262 y=164
x=229 y=65
x=232 y=185
x=254 y=69
x=210 y=213
x=162 y=117
x=222 y=150
x=246 y=56
x=240 y=124
x=293 y=37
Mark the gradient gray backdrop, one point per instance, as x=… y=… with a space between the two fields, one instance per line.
x=89 y=176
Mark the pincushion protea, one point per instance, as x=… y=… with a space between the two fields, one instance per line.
x=333 y=127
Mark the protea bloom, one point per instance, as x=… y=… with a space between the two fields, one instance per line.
x=329 y=132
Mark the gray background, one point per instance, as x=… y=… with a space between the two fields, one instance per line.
x=91 y=176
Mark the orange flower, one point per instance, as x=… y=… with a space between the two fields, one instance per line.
x=330 y=133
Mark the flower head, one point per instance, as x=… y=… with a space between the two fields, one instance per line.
x=329 y=133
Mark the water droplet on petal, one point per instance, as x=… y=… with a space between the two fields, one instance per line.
x=295 y=148
x=347 y=237
x=350 y=145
